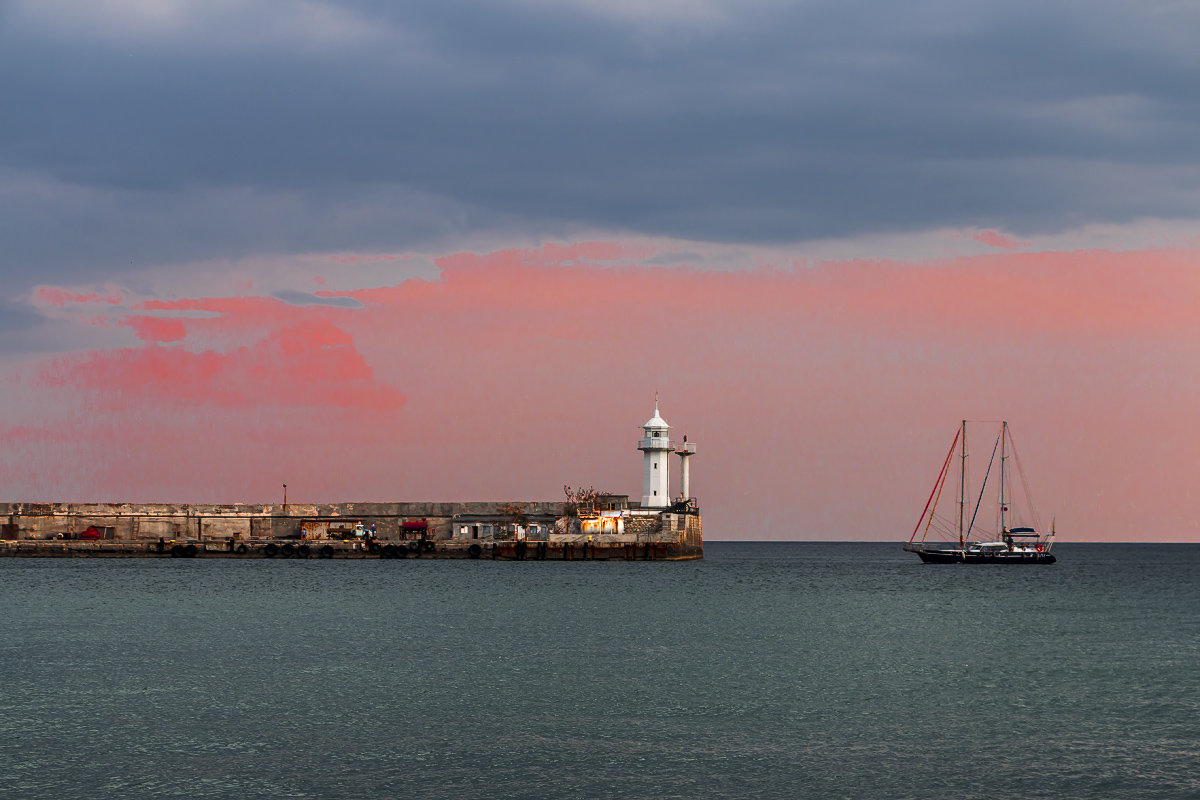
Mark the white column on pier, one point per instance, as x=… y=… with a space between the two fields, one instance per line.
x=685 y=451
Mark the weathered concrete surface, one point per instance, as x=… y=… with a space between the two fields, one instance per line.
x=144 y=521
x=616 y=547
x=249 y=531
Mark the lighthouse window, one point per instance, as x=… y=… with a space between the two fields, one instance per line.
x=656 y=465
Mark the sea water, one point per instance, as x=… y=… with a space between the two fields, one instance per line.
x=766 y=670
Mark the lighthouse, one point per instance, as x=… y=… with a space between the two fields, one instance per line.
x=656 y=447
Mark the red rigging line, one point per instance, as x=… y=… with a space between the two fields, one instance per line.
x=937 y=483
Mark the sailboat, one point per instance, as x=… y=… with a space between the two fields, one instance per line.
x=964 y=538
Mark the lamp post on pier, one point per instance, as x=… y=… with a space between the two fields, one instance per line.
x=685 y=451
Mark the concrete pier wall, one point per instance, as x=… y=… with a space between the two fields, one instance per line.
x=498 y=527
x=143 y=521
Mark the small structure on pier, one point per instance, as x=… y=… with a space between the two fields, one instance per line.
x=685 y=451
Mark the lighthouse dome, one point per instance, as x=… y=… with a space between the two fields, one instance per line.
x=656 y=421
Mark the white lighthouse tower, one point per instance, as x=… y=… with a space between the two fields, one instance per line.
x=656 y=445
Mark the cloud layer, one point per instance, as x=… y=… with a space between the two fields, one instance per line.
x=182 y=130
x=430 y=250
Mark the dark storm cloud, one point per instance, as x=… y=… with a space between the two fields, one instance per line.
x=51 y=230
x=385 y=125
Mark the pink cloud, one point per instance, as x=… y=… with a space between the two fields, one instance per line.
x=222 y=320
x=155 y=329
x=59 y=297
x=368 y=259
x=33 y=434
x=592 y=251
x=1032 y=294
x=996 y=239
x=548 y=255
x=220 y=305
x=308 y=364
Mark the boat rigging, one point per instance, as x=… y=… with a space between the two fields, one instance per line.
x=970 y=542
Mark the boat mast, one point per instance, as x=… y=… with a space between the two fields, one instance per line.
x=962 y=487
x=1003 y=456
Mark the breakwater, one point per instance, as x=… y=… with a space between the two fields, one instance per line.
x=611 y=529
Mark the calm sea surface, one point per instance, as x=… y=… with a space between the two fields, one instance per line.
x=766 y=670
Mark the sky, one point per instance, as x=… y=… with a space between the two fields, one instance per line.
x=452 y=251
